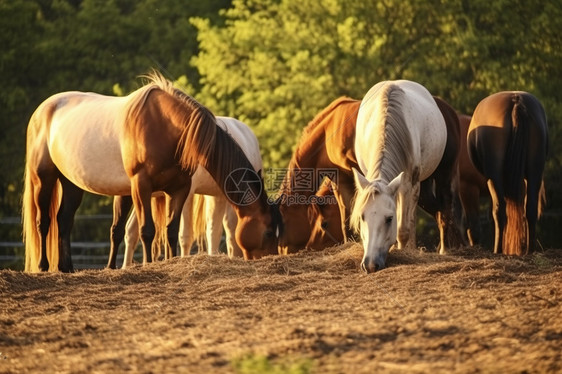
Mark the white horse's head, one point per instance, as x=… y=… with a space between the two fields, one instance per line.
x=374 y=218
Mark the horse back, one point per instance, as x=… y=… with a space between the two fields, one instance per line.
x=80 y=131
x=453 y=144
x=340 y=134
x=408 y=110
x=507 y=137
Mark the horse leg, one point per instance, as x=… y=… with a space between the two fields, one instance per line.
x=531 y=212
x=121 y=207
x=141 y=192
x=446 y=190
x=131 y=239
x=175 y=204
x=186 y=228
x=229 y=222
x=470 y=201
x=215 y=208
x=405 y=215
x=428 y=201
x=499 y=213
x=344 y=192
x=43 y=193
x=412 y=215
x=71 y=199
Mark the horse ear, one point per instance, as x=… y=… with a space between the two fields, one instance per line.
x=395 y=184
x=360 y=181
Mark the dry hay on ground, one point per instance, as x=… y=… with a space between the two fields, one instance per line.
x=469 y=311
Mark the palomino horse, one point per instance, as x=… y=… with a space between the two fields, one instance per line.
x=204 y=213
x=400 y=139
x=327 y=142
x=151 y=140
x=508 y=143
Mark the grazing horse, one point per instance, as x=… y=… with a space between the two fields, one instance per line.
x=204 y=213
x=151 y=140
x=325 y=148
x=472 y=185
x=400 y=140
x=328 y=142
x=508 y=143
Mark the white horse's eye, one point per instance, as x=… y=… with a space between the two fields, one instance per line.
x=388 y=220
x=362 y=216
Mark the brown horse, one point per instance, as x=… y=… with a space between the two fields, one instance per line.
x=327 y=144
x=472 y=186
x=508 y=143
x=151 y=140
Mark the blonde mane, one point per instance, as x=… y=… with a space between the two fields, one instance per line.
x=393 y=143
x=360 y=201
x=394 y=149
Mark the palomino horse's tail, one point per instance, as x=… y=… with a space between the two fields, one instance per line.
x=159 y=217
x=516 y=231
x=31 y=236
x=198 y=221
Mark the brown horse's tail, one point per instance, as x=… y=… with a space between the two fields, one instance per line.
x=31 y=235
x=516 y=231
x=198 y=221
x=159 y=218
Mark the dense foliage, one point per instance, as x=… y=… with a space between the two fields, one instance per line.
x=274 y=63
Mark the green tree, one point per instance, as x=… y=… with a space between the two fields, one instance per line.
x=275 y=64
x=102 y=46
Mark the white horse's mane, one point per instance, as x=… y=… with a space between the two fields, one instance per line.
x=393 y=148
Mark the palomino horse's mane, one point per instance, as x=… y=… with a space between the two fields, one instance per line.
x=393 y=148
x=306 y=142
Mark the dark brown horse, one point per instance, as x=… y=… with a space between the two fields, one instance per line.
x=151 y=140
x=327 y=143
x=438 y=192
x=472 y=186
x=508 y=143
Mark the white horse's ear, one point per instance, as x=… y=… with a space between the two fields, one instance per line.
x=394 y=185
x=360 y=181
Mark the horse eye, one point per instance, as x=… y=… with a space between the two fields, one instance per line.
x=269 y=234
x=324 y=225
x=362 y=217
x=388 y=220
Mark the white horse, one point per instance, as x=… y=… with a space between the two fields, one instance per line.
x=206 y=206
x=400 y=140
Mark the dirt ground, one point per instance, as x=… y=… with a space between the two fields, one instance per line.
x=466 y=312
